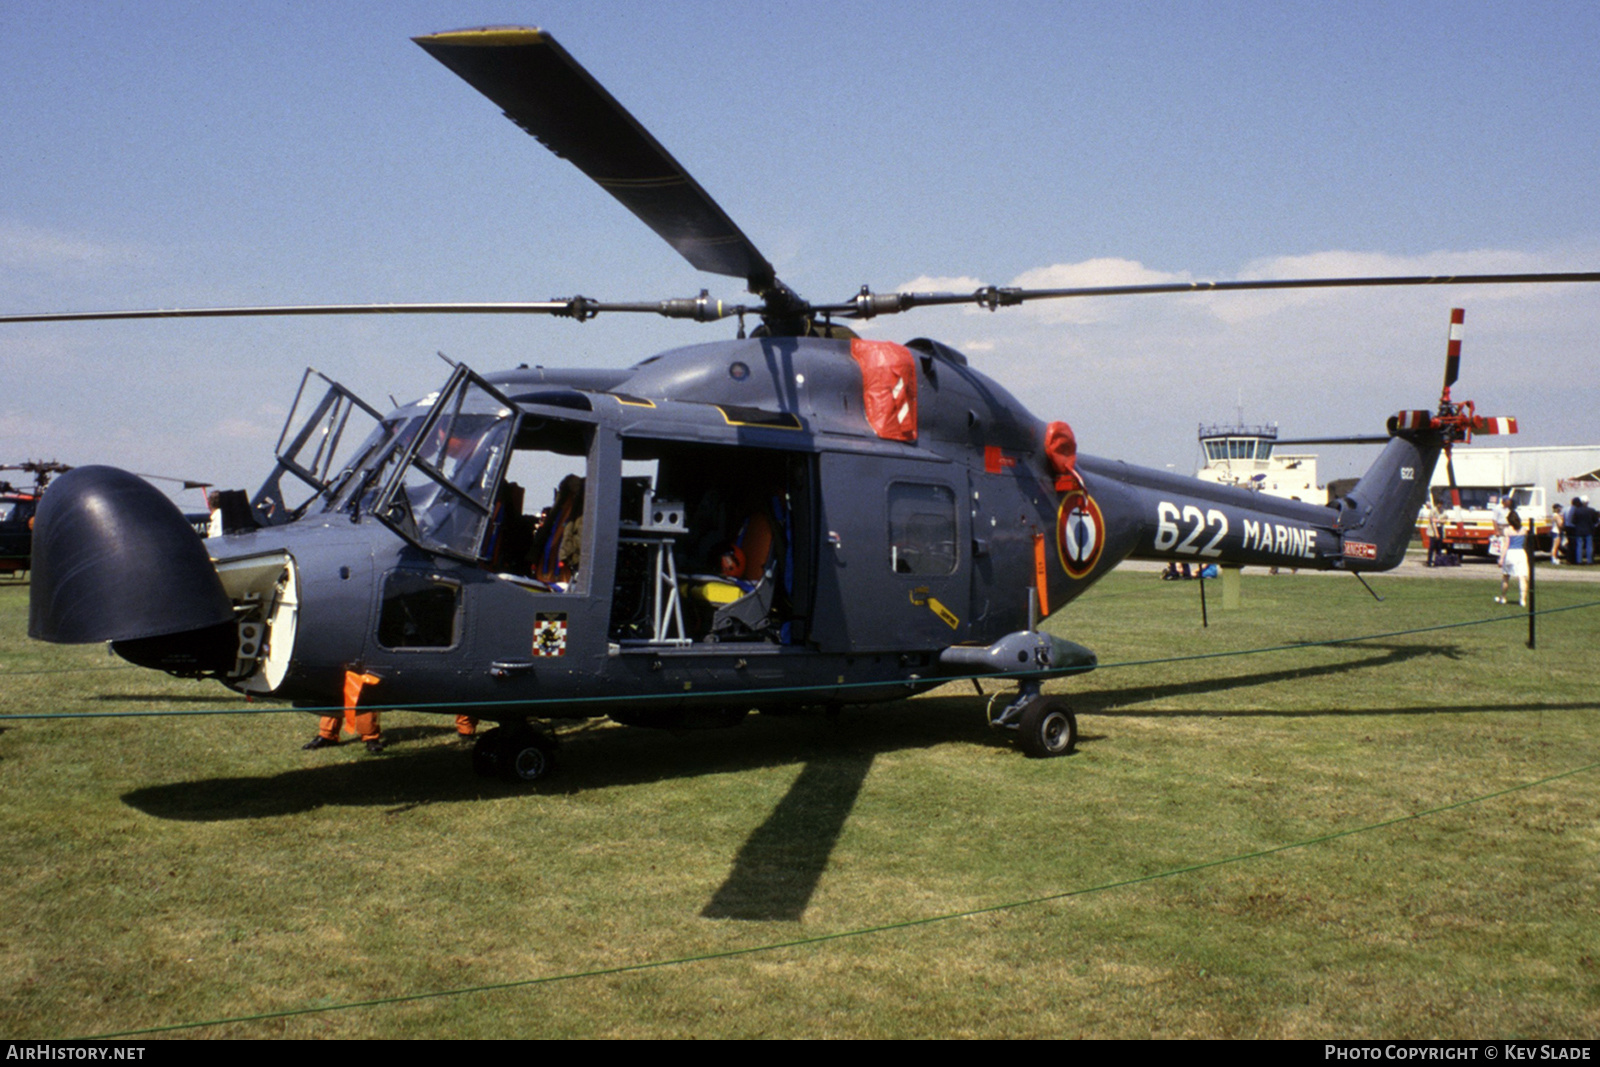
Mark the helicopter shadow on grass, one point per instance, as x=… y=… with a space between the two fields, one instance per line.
x=776 y=870
x=781 y=862
x=593 y=755
x=1109 y=702
x=153 y=699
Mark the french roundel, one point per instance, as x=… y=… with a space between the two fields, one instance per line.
x=1080 y=533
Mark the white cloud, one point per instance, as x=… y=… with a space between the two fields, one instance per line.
x=244 y=429
x=933 y=284
x=1089 y=274
x=1134 y=375
x=50 y=252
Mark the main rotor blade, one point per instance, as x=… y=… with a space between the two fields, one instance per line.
x=545 y=307
x=701 y=309
x=545 y=91
x=1349 y=439
x=866 y=305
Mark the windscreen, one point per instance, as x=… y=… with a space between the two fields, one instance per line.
x=440 y=497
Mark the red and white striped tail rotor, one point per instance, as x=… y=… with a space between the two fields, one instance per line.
x=1456 y=421
x=1493 y=424
x=1452 y=351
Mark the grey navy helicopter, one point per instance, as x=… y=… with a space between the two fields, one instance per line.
x=795 y=517
x=17 y=507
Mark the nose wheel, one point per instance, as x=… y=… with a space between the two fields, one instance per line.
x=515 y=753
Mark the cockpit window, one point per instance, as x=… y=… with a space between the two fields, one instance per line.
x=440 y=497
x=357 y=485
x=313 y=447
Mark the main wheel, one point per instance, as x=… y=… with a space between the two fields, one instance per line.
x=527 y=756
x=1047 y=728
x=486 y=753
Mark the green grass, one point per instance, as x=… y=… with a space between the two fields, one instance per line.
x=170 y=871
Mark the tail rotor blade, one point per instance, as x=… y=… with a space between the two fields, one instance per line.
x=1493 y=424
x=1452 y=355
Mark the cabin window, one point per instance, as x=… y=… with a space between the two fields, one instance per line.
x=922 y=529
x=539 y=530
x=419 y=611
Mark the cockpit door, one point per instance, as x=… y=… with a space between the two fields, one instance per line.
x=441 y=494
x=308 y=447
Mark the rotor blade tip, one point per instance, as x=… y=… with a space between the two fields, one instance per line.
x=486 y=36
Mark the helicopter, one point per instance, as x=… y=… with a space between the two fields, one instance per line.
x=17 y=507
x=798 y=516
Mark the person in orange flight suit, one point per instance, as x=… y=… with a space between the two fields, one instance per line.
x=746 y=557
x=355 y=720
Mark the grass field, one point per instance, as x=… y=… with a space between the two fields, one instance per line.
x=166 y=872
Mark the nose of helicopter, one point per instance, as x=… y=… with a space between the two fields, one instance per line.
x=114 y=559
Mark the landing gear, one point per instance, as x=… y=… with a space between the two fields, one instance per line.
x=516 y=753
x=1045 y=726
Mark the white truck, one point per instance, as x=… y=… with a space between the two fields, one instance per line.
x=1488 y=479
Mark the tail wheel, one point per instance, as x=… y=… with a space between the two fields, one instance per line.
x=1047 y=728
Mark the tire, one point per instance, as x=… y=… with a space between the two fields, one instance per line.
x=1047 y=728
x=486 y=753
x=527 y=756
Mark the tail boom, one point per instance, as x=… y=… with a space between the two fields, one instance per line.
x=1160 y=516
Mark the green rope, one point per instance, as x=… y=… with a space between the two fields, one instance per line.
x=634 y=968
x=936 y=681
x=70 y=670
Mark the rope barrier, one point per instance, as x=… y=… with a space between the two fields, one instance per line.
x=803 y=942
x=925 y=683
x=69 y=670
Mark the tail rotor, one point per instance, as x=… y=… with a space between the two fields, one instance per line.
x=1456 y=420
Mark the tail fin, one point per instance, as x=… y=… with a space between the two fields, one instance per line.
x=1378 y=517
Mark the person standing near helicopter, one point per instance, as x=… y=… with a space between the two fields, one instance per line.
x=364 y=723
x=1581 y=521
x=1513 y=558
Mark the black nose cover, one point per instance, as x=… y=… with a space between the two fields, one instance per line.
x=114 y=559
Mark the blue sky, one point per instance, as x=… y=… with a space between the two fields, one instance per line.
x=173 y=154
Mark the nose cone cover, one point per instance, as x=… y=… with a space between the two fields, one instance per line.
x=114 y=559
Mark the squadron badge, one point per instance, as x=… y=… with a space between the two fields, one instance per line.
x=550 y=633
x=1080 y=533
